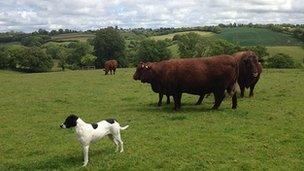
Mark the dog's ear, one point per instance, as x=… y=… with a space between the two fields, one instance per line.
x=71 y=121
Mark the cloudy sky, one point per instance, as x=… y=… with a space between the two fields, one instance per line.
x=30 y=15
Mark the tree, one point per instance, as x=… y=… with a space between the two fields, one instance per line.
x=194 y=45
x=78 y=50
x=63 y=56
x=187 y=44
x=88 y=59
x=108 y=44
x=150 y=50
x=53 y=50
x=16 y=53
x=280 y=60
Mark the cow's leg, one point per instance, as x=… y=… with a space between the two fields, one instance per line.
x=168 y=99
x=251 y=90
x=111 y=72
x=218 y=98
x=234 y=101
x=242 y=88
x=201 y=98
x=177 y=101
x=114 y=71
x=160 y=98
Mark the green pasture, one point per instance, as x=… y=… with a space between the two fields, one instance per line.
x=265 y=132
x=170 y=36
x=257 y=36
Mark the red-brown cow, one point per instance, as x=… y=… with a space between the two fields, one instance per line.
x=197 y=76
x=110 y=65
x=250 y=70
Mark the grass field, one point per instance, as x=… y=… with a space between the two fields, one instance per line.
x=82 y=37
x=257 y=36
x=265 y=132
x=296 y=52
x=170 y=36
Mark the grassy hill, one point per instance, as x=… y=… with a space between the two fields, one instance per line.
x=296 y=52
x=265 y=132
x=257 y=36
x=170 y=36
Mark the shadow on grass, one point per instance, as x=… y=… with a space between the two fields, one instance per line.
x=67 y=161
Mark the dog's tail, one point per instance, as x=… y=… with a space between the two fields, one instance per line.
x=125 y=127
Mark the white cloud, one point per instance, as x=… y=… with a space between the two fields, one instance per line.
x=29 y=15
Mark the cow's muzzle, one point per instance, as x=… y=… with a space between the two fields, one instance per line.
x=255 y=74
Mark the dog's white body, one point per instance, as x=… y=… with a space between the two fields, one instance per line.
x=87 y=134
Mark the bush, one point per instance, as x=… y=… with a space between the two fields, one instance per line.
x=5 y=58
x=150 y=51
x=34 y=60
x=280 y=60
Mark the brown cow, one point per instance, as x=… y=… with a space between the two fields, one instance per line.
x=110 y=65
x=197 y=76
x=250 y=70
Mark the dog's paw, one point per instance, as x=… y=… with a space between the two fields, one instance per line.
x=84 y=165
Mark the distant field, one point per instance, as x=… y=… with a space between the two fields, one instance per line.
x=264 y=133
x=82 y=37
x=257 y=36
x=296 y=52
x=170 y=36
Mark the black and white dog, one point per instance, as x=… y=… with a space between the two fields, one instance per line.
x=88 y=133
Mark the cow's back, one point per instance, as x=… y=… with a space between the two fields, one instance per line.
x=111 y=64
x=197 y=75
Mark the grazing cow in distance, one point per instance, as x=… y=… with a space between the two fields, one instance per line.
x=250 y=70
x=110 y=65
x=197 y=76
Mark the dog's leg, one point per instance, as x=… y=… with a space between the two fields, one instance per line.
x=115 y=141
x=86 y=155
x=118 y=138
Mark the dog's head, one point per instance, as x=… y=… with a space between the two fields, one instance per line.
x=69 y=122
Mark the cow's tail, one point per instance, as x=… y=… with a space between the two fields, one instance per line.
x=125 y=127
x=234 y=82
x=232 y=88
x=234 y=98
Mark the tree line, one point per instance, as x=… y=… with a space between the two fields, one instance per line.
x=34 y=55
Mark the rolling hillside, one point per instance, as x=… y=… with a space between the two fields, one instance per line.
x=257 y=36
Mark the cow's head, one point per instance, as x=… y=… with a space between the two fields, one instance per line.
x=251 y=62
x=144 y=72
x=138 y=71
